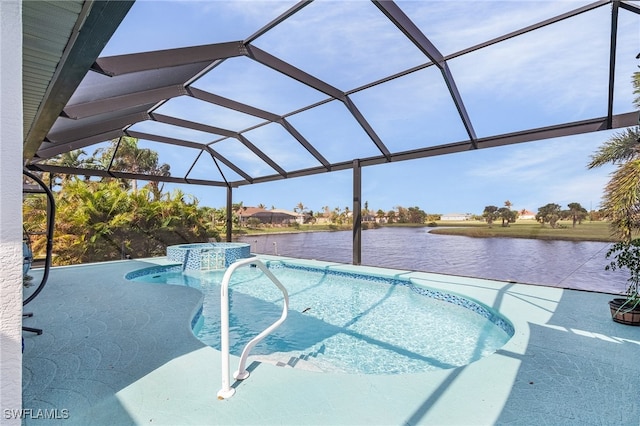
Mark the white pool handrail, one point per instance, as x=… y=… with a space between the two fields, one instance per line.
x=227 y=391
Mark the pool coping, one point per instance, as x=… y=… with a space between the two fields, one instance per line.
x=552 y=355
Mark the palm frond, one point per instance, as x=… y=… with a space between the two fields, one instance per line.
x=619 y=148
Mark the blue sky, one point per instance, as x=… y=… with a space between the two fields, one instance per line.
x=554 y=75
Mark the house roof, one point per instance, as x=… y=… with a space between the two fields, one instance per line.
x=257 y=211
x=249 y=211
x=82 y=100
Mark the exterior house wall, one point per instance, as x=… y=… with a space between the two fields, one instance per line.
x=11 y=209
x=527 y=215
x=455 y=216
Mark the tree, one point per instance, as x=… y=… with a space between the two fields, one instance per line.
x=549 y=213
x=403 y=215
x=336 y=216
x=508 y=216
x=416 y=215
x=490 y=214
x=69 y=159
x=576 y=213
x=621 y=201
x=347 y=215
x=123 y=154
x=103 y=220
x=391 y=216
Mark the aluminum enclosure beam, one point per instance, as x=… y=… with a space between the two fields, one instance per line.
x=137 y=62
x=586 y=126
x=315 y=83
x=105 y=107
x=357 y=213
x=413 y=33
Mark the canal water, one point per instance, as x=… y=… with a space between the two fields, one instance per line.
x=567 y=264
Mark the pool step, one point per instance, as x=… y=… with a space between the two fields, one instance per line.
x=301 y=361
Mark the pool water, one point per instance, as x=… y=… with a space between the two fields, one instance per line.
x=341 y=322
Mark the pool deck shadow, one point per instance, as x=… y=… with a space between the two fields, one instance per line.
x=115 y=352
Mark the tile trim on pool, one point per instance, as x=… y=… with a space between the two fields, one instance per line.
x=159 y=269
x=462 y=301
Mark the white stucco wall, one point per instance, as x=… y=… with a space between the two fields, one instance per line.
x=10 y=210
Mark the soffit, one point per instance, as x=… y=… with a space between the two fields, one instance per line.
x=61 y=39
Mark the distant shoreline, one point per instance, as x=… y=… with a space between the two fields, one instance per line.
x=587 y=231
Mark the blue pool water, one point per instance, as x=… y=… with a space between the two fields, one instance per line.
x=343 y=322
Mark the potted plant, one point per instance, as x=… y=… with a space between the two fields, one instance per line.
x=626 y=255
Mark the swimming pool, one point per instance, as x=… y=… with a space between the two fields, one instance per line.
x=343 y=322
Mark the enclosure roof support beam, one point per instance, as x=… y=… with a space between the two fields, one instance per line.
x=612 y=61
x=229 y=164
x=264 y=157
x=116 y=103
x=50 y=168
x=283 y=17
x=231 y=104
x=179 y=122
x=303 y=141
x=587 y=126
x=229 y=226
x=256 y=112
x=146 y=61
x=49 y=149
x=417 y=37
x=289 y=70
x=357 y=213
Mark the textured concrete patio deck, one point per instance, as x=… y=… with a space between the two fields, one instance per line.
x=115 y=352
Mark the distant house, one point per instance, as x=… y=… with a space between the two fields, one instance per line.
x=456 y=216
x=527 y=215
x=369 y=218
x=272 y=217
x=297 y=216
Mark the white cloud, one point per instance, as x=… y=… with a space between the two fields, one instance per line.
x=522 y=163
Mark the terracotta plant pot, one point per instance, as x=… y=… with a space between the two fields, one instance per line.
x=624 y=315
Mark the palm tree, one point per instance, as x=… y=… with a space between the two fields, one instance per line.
x=300 y=207
x=71 y=159
x=123 y=154
x=336 y=216
x=621 y=202
x=346 y=214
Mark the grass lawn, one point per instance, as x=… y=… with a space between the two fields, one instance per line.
x=587 y=231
